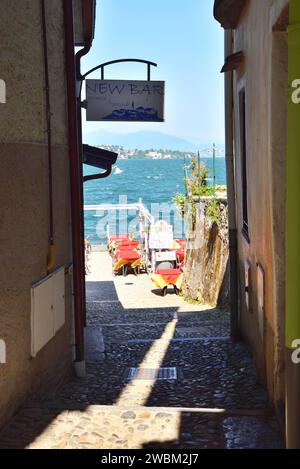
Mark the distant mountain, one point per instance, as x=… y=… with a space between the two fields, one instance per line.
x=144 y=140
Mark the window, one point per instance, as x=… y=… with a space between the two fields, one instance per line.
x=243 y=153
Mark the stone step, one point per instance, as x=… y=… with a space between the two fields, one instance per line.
x=266 y=412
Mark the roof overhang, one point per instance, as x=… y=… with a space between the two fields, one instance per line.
x=89 y=20
x=85 y=18
x=228 y=12
x=233 y=61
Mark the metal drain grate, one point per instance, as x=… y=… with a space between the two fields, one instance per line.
x=152 y=373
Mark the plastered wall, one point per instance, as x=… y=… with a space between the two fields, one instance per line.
x=264 y=78
x=24 y=202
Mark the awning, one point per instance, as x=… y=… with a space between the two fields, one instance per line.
x=228 y=12
x=233 y=61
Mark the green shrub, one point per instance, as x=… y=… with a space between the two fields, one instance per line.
x=213 y=211
x=196 y=186
x=179 y=200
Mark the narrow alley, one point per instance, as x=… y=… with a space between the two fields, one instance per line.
x=206 y=395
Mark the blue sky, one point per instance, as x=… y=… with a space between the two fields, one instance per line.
x=187 y=44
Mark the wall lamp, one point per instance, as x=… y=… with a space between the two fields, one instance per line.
x=98 y=158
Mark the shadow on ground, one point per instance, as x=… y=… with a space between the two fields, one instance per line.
x=216 y=401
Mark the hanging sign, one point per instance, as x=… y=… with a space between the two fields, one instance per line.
x=125 y=100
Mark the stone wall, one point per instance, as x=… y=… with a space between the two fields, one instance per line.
x=206 y=276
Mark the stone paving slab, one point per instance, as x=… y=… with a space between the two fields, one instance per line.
x=211 y=374
x=125 y=332
x=130 y=291
x=216 y=402
x=105 y=427
x=98 y=314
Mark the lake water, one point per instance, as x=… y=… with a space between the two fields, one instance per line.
x=155 y=181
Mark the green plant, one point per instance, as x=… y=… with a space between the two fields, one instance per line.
x=213 y=211
x=196 y=186
x=185 y=204
x=191 y=301
x=179 y=200
x=197 y=181
x=203 y=191
x=221 y=188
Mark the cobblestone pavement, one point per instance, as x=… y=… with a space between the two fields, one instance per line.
x=216 y=401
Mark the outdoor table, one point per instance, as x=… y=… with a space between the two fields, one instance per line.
x=124 y=249
x=165 y=277
x=179 y=243
x=116 y=237
x=118 y=243
x=180 y=255
x=127 y=257
x=128 y=242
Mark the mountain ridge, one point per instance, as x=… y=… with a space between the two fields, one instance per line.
x=145 y=140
